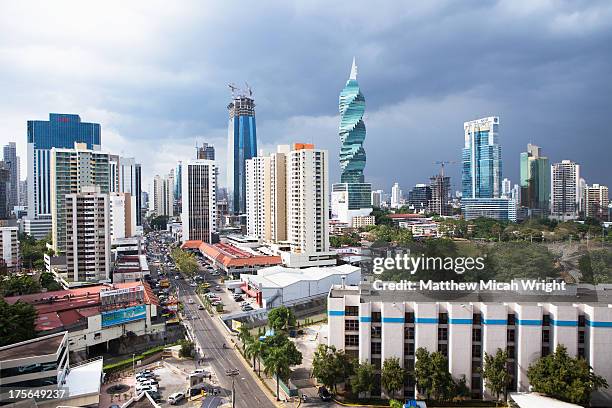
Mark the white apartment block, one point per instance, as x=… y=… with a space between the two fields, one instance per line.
x=258 y=197
x=122 y=210
x=359 y=221
x=9 y=244
x=308 y=199
x=396 y=196
x=565 y=189
x=374 y=325
x=88 y=236
x=163 y=195
x=199 y=200
x=596 y=201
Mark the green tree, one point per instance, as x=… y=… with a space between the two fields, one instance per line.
x=185 y=261
x=245 y=337
x=47 y=281
x=278 y=362
x=363 y=379
x=187 y=348
x=16 y=285
x=281 y=319
x=17 y=322
x=159 y=223
x=442 y=384
x=254 y=349
x=586 y=268
x=331 y=366
x=423 y=371
x=33 y=251
x=495 y=372
x=561 y=376
x=392 y=376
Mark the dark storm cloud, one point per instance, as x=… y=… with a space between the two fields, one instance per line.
x=155 y=75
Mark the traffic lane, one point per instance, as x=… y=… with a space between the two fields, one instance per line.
x=211 y=340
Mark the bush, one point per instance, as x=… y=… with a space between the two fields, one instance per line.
x=187 y=349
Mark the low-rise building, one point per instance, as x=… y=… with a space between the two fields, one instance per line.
x=359 y=221
x=502 y=209
x=130 y=268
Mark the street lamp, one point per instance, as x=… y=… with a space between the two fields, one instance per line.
x=233 y=373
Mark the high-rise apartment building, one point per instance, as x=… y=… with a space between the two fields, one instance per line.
x=377 y=198
x=506 y=188
x=199 y=206
x=440 y=195
x=71 y=171
x=130 y=181
x=61 y=131
x=178 y=185
x=122 y=212
x=596 y=201
x=258 y=197
x=419 y=197
x=352 y=196
x=205 y=152
x=5 y=176
x=565 y=190
x=88 y=237
x=242 y=145
x=535 y=179
x=163 y=197
x=307 y=199
x=11 y=161
x=396 y=196
x=481 y=159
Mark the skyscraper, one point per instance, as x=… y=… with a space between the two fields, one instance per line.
x=565 y=192
x=535 y=179
x=61 y=131
x=5 y=176
x=440 y=194
x=71 y=171
x=11 y=161
x=242 y=145
x=258 y=197
x=163 y=201
x=596 y=201
x=377 y=198
x=199 y=186
x=352 y=196
x=396 y=196
x=130 y=181
x=506 y=188
x=481 y=158
x=205 y=152
x=419 y=197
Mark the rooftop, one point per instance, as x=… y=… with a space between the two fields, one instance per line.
x=230 y=255
x=280 y=276
x=40 y=346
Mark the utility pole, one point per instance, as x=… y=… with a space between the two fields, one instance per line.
x=233 y=373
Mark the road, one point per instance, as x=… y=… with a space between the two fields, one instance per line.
x=211 y=339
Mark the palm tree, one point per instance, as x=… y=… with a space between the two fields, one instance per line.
x=245 y=337
x=254 y=350
x=277 y=363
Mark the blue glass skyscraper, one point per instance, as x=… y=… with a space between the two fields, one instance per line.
x=60 y=131
x=242 y=145
x=352 y=196
x=481 y=159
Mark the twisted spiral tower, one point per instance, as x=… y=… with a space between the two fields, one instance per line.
x=352 y=130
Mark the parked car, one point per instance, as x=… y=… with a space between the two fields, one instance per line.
x=247 y=308
x=191 y=301
x=155 y=395
x=143 y=388
x=238 y=298
x=148 y=381
x=324 y=394
x=200 y=307
x=176 y=397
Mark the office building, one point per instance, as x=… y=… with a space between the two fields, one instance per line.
x=373 y=324
x=88 y=235
x=502 y=209
x=481 y=159
x=515 y=195
x=61 y=131
x=506 y=188
x=205 y=152
x=565 y=190
x=122 y=211
x=163 y=197
x=5 y=176
x=199 y=206
x=9 y=245
x=396 y=196
x=596 y=201
x=440 y=195
x=23 y=193
x=178 y=193
x=130 y=181
x=352 y=196
x=71 y=171
x=242 y=145
x=307 y=199
x=419 y=197
x=535 y=179
x=11 y=162
x=377 y=198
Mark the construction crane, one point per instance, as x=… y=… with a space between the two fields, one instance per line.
x=442 y=163
x=233 y=87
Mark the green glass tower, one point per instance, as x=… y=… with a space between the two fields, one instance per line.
x=535 y=179
x=352 y=196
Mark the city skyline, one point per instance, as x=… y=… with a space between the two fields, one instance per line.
x=545 y=80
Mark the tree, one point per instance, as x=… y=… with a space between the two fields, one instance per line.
x=47 y=281
x=331 y=366
x=423 y=371
x=33 y=251
x=16 y=285
x=187 y=349
x=281 y=319
x=442 y=384
x=392 y=376
x=561 y=376
x=17 y=322
x=159 y=223
x=245 y=337
x=363 y=380
x=185 y=261
x=278 y=362
x=495 y=372
x=254 y=349
x=585 y=267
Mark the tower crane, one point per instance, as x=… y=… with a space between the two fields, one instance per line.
x=442 y=163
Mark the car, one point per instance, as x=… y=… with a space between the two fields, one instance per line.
x=200 y=307
x=206 y=285
x=176 y=277
x=149 y=381
x=238 y=298
x=191 y=301
x=216 y=303
x=143 y=388
x=155 y=395
x=247 y=308
x=199 y=371
x=324 y=394
x=217 y=288
x=176 y=397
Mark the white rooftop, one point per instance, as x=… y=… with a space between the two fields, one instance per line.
x=85 y=378
x=281 y=276
x=532 y=400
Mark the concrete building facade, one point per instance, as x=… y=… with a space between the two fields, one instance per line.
x=199 y=202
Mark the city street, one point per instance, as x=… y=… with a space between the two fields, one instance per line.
x=211 y=339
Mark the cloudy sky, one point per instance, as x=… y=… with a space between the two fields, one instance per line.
x=155 y=75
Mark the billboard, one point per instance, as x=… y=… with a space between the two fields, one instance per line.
x=113 y=299
x=122 y=316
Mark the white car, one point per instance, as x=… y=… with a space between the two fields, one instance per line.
x=143 y=388
x=148 y=381
x=191 y=301
x=176 y=397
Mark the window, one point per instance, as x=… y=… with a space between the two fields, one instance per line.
x=581 y=337
x=511 y=351
x=376 y=348
x=443 y=348
x=581 y=352
x=409 y=349
x=409 y=317
x=546 y=320
x=409 y=333
x=545 y=336
x=511 y=335
x=581 y=321
x=476 y=350
x=376 y=332
x=351 y=325
x=443 y=333
x=511 y=319
x=476 y=335
x=351 y=310
x=545 y=351
x=443 y=318
x=376 y=317
x=477 y=318
x=351 y=340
